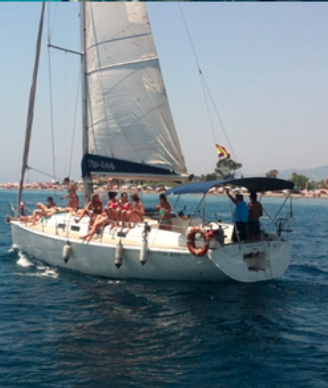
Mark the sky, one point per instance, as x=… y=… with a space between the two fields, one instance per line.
x=266 y=65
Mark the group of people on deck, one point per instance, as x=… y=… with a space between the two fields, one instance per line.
x=120 y=213
x=116 y=212
x=51 y=208
x=247 y=224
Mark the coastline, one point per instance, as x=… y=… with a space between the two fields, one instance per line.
x=316 y=195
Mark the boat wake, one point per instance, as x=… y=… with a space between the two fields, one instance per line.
x=23 y=261
x=46 y=272
x=42 y=270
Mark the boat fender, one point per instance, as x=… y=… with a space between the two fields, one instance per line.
x=191 y=243
x=143 y=251
x=118 y=254
x=67 y=249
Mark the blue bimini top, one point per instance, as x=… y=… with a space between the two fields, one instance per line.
x=258 y=184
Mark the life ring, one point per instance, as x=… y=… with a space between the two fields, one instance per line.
x=191 y=243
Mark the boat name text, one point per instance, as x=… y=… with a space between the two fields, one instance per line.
x=104 y=166
x=171 y=254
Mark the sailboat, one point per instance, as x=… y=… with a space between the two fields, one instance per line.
x=129 y=133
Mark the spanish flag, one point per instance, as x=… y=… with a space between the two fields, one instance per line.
x=222 y=152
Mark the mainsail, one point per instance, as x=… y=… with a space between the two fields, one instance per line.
x=130 y=127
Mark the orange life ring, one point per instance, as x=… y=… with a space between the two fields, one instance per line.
x=191 y=244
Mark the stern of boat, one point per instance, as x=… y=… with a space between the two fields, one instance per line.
x=254 y=261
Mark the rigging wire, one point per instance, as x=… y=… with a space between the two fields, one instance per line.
x=205 y=88
x=43 y=173
x=52 y=27
x=65 y=110
x=74 y=126
x=51 y=102
x=208 y=111
x=50 y=33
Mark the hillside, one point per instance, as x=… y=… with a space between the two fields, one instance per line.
x=314 y=174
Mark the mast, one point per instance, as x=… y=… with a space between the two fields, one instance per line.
x=30 y=113
x=85 y=138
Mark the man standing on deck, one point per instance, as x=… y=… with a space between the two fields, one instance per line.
x=240 y=216
x=73 y=199
x=255 y=212
x=71 y=187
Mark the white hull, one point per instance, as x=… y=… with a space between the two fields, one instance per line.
x=269 y=260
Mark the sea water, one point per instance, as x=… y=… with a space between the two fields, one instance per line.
x=64 y=329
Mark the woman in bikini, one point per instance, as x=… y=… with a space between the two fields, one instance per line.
x=123 y=207
x=164 y=210
x=137 y=210
x=105 y=218
x=93 y=209
x=111 y=208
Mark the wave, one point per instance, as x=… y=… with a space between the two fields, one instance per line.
x=42 y=270
x=47 y=271
x=48 y=274
x=311 y=268
x=23 y=260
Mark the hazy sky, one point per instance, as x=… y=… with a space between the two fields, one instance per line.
x=266 y=65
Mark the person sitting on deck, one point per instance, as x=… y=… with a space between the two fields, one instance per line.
x=240 y=216
x=164 y=210
x=123 y=207
x=135 y=214
x=72 y=204
x=105 y=218
x=111 y=208
x=42 y=211
x=255 y=211
x=92 y=209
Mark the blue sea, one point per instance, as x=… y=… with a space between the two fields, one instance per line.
x=64 y=329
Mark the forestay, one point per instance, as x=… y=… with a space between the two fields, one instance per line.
x=129 y=118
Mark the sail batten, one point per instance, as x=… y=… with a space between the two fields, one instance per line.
x=121 y=38
x=121 y=65
x=129 y=114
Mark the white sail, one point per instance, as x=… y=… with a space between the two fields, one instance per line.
x=128 y=113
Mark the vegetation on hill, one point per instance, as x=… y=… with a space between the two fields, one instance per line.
x=226 y=169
